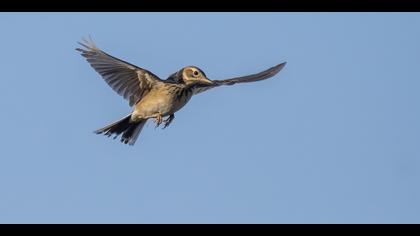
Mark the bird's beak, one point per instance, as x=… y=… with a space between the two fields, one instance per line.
x=207 y=81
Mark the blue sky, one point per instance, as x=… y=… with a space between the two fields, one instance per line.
x=333 y=138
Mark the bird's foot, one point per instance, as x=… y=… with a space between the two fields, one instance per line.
x=158 y=120
x=168 y=121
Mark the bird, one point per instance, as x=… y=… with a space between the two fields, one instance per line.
x=149 y=96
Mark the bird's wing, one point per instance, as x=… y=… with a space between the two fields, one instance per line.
x=243 y=79
x=126 y=79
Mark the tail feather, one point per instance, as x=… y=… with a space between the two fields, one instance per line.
x=130 y=130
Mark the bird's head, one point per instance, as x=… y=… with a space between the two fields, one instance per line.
x=193 y=75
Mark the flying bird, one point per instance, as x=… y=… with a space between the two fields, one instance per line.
x=150 y=96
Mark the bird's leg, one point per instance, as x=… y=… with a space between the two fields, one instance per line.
x=168 y=120
x=158 y=120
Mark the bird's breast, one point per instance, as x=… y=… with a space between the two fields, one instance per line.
x=164 y=101
x=181 y=98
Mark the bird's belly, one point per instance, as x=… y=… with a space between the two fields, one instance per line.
x=163 y=104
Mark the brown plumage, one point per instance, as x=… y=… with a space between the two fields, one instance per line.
x=150 y=96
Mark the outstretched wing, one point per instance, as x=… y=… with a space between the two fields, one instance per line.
x=243 y=79
x=126 y=79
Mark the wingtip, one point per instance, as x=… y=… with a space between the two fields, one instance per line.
x=281 y=65
x=276 y=69
x=88 y=43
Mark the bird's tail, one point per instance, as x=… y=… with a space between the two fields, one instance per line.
x=130 y=130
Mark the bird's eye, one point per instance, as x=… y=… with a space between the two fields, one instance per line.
x=195 y=73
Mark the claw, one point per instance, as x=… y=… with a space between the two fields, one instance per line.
x=168 y=121
x=158 y=120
